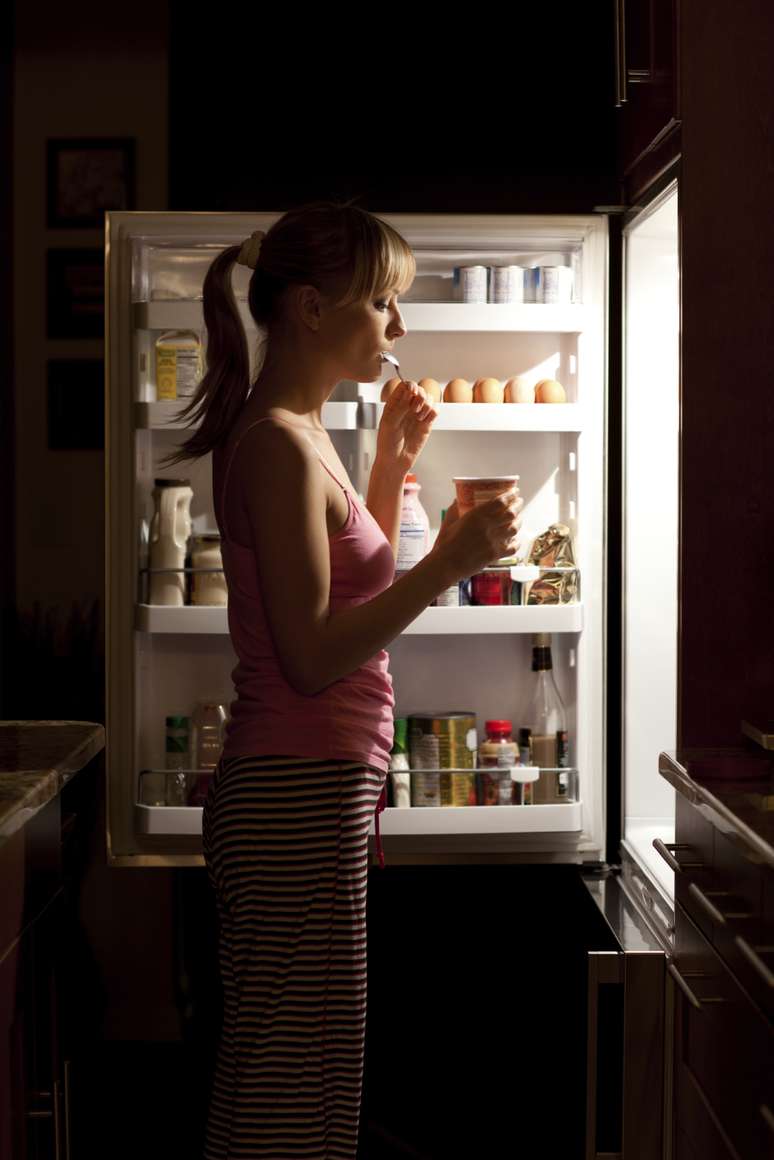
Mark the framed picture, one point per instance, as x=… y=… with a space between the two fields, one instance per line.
x=75 y=293
x=76 y=404
x=86 y=176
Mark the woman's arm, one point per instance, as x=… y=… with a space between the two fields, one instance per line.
x=385 y=499
x=283 y=491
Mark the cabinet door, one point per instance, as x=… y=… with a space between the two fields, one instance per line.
x=725 y=1048
x=648 y=114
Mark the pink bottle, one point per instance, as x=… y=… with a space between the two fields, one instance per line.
x=414 y=543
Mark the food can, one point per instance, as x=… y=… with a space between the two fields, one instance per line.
x=554 y=284
x=471 y=283
x=439 y=742
x=507 y=283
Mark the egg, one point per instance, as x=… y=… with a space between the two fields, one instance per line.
x=389 y=387
x=550 y=391
x=458 y=391
x=432 y=389
x=519 y=390
x=487 y=391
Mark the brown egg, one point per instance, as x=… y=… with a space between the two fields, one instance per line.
x=432 y=389
x=519 y=390
x=487 y=391
x=389 y=387
x=550 y=391
x=458 y=391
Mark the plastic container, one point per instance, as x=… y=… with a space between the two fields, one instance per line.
x=498 y=752
x=414 y=542
x=178 y=758
x=399 y=765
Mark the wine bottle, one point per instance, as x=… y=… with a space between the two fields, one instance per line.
x=547 y=721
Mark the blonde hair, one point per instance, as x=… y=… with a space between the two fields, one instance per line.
x=341 y=249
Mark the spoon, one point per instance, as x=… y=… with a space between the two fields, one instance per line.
x=392 y=359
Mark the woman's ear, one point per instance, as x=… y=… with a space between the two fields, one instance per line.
x=308 y=305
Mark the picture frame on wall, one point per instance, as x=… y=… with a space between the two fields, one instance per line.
x=75 y=293
x=85 y=176
x=75 y=398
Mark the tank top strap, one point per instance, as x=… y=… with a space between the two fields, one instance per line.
x=266 y=418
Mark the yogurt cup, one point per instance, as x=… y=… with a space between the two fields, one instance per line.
x=473 y=490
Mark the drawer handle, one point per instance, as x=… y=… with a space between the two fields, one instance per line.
x=692 y=999
x=664 y=848
x=755 y=961
x=716 y=915
x=768 y=1116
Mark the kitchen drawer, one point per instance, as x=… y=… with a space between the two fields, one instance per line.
x=743 y=939
x=697 y=836
x=725 y=1043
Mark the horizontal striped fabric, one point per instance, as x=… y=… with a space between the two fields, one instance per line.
x=286 y=847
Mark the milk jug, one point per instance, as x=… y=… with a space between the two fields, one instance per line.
x=170 y=529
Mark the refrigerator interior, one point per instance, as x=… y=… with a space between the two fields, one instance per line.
x=475 y=659
x=651 y=517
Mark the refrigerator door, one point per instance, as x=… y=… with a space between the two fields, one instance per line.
x=629 y=1033
x=650 y=441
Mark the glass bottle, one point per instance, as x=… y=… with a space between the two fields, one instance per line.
x=547 y=721
x=414 y=542
x=178 y=758
x=207 y=732
x=399 y=765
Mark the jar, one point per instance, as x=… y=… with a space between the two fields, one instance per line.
x=207 y=587
x=450 y=597
x=207 y=732
x=414 y=541
x=497 y=753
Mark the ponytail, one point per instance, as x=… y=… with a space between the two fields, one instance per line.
x=224 y=388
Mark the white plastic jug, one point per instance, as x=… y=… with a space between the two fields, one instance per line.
x=170 y=529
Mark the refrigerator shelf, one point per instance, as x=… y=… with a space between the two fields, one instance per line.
x=187 y=314
x=549 y=417
x=537 y=819
x=466 y=620
x=166 y=415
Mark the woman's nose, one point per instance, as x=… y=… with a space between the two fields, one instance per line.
x=398 y=326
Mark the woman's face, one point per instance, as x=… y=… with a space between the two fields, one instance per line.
x=360 y=331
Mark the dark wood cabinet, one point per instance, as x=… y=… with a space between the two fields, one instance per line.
x=647 y=91
x=723 y=962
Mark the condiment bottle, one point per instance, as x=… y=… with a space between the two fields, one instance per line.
x=207 y=726
x=414 y=541
x=399 y=765
x=450 y=597
x=498 y=752
x=178 y=758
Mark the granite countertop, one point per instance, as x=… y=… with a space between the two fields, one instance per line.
x=733 y=787
x=37 y=758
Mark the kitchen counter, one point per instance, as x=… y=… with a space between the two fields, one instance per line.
x=37 y=759
x=733 y=788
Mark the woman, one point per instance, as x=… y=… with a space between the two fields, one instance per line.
x=312 y=605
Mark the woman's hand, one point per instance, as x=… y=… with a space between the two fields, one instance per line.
x=481 y=537
x=405 y=426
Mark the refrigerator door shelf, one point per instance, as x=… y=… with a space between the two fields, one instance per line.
x=166 y=415
x=466 y=620
x=538 y=819
x=185 y=314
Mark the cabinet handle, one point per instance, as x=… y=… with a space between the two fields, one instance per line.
x=67 y=1108
x=716 y=915
x=620 y=52
x=692 y=999
x=51 y=1113
x=664 y=848
x=754 y=959
x=768 y=1116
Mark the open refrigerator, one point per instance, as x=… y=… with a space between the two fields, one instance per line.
x=164 y=659
x=604 y=463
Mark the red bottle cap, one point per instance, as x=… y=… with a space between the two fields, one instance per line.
x=498 y=726
x=411 y=478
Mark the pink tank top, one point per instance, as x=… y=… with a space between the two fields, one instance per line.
x=351 y=719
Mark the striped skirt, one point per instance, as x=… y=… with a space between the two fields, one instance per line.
x=285 y=843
